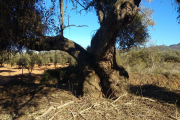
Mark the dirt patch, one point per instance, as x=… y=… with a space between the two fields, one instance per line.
x=38 y=102
x=7 y=72
x=20 y=100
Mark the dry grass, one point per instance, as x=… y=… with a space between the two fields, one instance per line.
x=53 y=104
x=153 y=97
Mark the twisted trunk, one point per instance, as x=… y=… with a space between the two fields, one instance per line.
x=113 y=77
x=102 y=75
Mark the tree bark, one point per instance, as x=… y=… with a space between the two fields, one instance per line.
x=113 y=77
x=83 y=57
x=91 y=84
x=100 y=12
x=102 y=75
x=62 y=17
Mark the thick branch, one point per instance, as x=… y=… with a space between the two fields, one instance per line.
x=122 y=13
x=62 y=16
x=137 y=2
x=100 y=11
x=80 y=4
x=83 y=57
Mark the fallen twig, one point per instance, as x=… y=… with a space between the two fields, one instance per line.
x=50 y=108
x=145 y=98
x=85 y=110
x=61 y=107
x=118 y=98
x=65 y=104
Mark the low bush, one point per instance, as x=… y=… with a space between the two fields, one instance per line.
x=149 y=59
x=170 y=55
x=142 y=56
x=62 y=75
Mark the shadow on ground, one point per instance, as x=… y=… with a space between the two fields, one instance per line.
x=159 y=93
x=14 y=96
x=6 y=71
x=21 y=92
x=22 y=96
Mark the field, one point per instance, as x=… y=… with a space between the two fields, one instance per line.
x=7 y=72
x=24 y=97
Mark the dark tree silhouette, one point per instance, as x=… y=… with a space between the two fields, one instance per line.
x=102 y=75
x=20 y=21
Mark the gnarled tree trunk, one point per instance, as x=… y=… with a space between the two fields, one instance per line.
x=102 y=75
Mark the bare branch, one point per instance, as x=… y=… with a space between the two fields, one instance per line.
x=85 y=8
x=75 y=26
x=80 y=4
x=90 y=4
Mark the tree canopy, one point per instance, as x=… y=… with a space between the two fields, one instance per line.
x=24 y=20
x=133 y=34
x=177 y=2
x=20 y=21
x=136 y=33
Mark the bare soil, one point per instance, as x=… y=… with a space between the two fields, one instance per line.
x=7 y=72
x=153 y=97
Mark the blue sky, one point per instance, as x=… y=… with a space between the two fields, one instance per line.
x=165 y=32
x=167 y=29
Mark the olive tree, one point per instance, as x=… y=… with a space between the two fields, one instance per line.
x=102 y=75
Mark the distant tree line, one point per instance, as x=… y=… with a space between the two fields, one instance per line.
x=30 y=58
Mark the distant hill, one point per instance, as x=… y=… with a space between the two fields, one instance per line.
x=161 y=47
x=175 y=46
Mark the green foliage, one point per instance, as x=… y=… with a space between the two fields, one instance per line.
x=20 y=22
x=56 y=57
x=148 y=59
x=3 y=56
x=50 y=75
x=134 y=34
x=23 y=61
x=30 y=58
x=13 y=58
x=63 y=58
x=146 y=56
x=39 y=62
x=73 y=62
x=60 y=75
x=171 y=55
x=89 y=49
x=177 y=8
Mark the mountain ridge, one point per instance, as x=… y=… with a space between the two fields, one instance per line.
x=175 y=46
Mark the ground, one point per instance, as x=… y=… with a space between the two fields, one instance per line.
x=154 y=96
x=8 y=73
